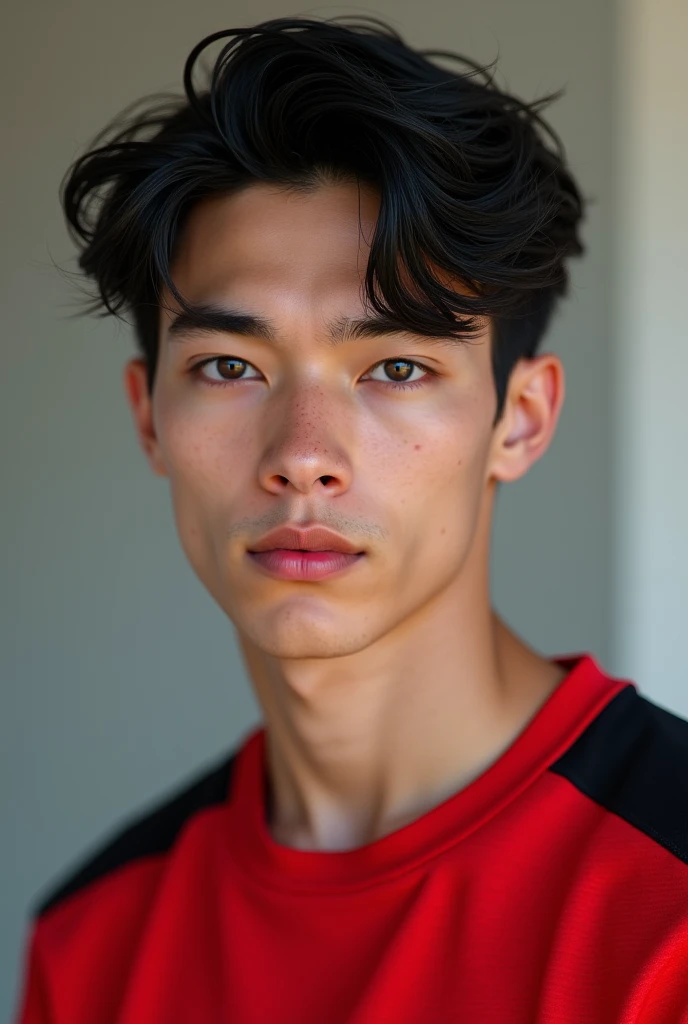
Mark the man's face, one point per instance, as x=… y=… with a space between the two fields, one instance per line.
x=299 y=430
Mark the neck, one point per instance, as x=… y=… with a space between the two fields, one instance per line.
x=360 y=745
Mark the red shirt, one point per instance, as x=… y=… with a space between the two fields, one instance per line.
x=551 y=890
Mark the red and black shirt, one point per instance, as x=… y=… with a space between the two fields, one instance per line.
x=551 y=890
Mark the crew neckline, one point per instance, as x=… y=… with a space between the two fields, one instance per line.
x=577 y=700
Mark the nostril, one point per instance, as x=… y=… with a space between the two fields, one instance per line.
x=326 y=479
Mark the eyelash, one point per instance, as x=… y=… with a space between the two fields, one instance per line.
x=195 y=370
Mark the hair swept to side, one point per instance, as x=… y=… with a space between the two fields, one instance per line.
x=473 y=182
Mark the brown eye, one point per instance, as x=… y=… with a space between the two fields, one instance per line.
x=225 y=370
x=398 y=370
x=230 y=368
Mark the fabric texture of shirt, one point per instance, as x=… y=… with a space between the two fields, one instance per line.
x=553 y=889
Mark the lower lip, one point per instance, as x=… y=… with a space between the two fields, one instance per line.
x=287 y=564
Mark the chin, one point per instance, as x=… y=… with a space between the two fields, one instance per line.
x=290 y=634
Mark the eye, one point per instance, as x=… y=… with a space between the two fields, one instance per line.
x=228 y=369
x=400 y=372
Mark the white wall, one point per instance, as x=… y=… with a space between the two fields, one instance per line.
x=650 y=264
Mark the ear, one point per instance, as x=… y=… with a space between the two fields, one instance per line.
x=534 y=398
x=141 y=405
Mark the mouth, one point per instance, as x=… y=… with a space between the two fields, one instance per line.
x=297 y=553
x=299 y=564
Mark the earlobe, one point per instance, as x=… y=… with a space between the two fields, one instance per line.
x=141 y=405
x=534 y=400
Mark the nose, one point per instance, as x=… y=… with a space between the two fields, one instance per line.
x=305 y=453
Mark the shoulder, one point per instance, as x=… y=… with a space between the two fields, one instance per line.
x=148 y=832
x=633 y=760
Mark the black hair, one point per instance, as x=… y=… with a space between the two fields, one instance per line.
x=473 y=182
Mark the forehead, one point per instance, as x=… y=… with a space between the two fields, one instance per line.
x=295 y=257
x=269 y=236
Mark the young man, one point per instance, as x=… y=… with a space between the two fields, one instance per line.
x=341 y=259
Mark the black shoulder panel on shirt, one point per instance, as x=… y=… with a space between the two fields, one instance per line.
x=633 y=760
x=151 y=832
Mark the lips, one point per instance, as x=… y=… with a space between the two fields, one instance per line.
x=316 y=538
x=290 y=553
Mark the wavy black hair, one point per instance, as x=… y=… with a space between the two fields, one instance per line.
x=472 y=181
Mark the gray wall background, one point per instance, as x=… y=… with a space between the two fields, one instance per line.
x=120 y=675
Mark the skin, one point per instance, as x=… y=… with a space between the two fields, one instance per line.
x=388 y=687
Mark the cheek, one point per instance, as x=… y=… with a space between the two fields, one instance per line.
x=207 y=455
x=438 y=454
x=205 y=450
x=433 y=488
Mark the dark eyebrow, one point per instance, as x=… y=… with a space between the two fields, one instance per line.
x=210 y=318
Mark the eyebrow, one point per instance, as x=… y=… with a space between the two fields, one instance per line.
x=210 y=318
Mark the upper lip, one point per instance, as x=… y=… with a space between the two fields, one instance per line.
x=316 y=538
